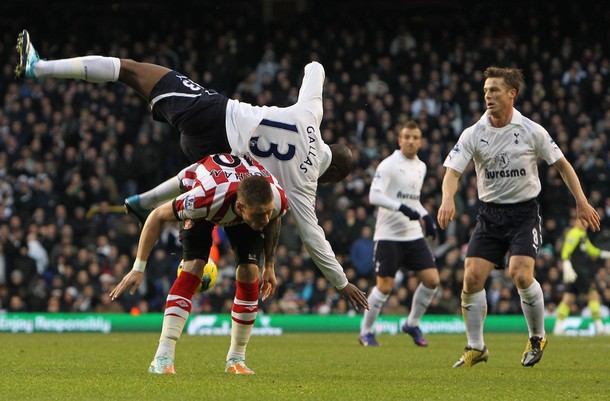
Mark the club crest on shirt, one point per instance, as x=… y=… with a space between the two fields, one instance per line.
x=502 y=160
x=189 y=202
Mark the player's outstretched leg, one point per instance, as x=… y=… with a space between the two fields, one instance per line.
x=28 y=56
x=142 y=77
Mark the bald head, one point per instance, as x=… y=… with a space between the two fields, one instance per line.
x=340 y=164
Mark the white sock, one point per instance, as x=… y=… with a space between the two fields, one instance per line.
x=160 y=194
x=532 y=304
x=240 y=335
x=474 y=311
x=89 y=68
x=170 y=334
x=421 y=300
x=376 y=301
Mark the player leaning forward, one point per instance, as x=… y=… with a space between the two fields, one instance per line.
x=505 y=147
x=243 y=197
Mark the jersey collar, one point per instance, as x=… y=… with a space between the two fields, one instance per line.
x=516 y=119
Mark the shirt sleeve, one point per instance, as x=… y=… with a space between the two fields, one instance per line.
x=312 y=88
x=377 y=193
x=547 y=147
x=462 y=152
x=314 y=239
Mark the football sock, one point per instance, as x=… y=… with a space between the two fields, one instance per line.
x=243 y=316
x=177 y=310
x=89 y=68
x=474 y=311
x=160 y=194
x=376 y=301
x=421 y=300
x=532 y=304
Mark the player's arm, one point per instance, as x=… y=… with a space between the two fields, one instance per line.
x=570 y=242
x=312 y=87
x=594 y=251
x=272 y=235
x=584 y=211
x=148 y=238
x=320 y=250
x=446 y=212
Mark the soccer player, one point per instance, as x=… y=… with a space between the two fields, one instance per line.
x=286 y=141
x=399 y=240
x=579 y=257
x=224 y=190
x=505 y=147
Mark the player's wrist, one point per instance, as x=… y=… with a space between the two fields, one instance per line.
x=139 y=266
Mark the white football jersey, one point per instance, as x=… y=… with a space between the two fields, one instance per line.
x=505 y=159
x=288 y=143
x=398 y=180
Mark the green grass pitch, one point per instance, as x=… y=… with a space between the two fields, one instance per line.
x=299 y=367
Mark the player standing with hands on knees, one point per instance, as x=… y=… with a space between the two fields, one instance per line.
x=244 y=198
x=286 y=141
x=505 y=147
x=399 y=241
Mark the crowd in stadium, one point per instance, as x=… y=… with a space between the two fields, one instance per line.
x=71 y=151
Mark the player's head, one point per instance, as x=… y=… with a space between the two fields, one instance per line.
x=513 y=77
x=501 y=87
x=340 y=164
x=409 y=139
x=255 y=201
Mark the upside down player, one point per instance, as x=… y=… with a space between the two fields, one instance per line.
x=222 y=190
x=286 y=141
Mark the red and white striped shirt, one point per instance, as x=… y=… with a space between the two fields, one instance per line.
x=211 y=189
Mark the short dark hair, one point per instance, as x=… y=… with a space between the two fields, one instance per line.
x=411 y=125
x=513 y=77
x=254 y=190
x=342 y=160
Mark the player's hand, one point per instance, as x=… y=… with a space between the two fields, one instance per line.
x=445 y=214
x=130 y=282
x=268 y=284
x=569 y=275
x=410 y=213
x=355 y=297
x=588 y=216
x=431 y=229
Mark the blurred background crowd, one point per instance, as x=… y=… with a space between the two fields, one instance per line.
x=71 y=151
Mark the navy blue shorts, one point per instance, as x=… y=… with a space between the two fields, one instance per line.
x=502 y=229
x=196 y=240
x=393 y=255
x=196 y=112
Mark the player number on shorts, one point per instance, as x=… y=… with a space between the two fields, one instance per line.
x=536 y=237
